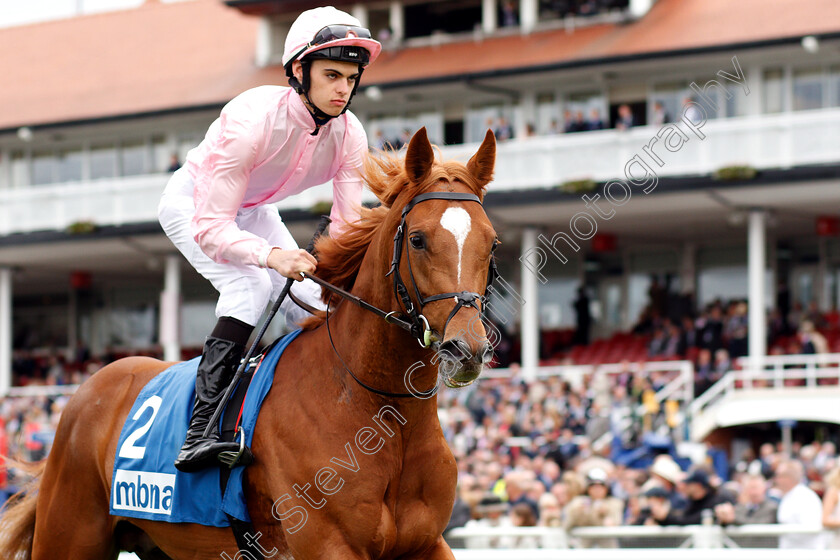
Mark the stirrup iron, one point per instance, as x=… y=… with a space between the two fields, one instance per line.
x=230 y=459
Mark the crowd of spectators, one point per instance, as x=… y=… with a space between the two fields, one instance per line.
x=526 y=458
x=717 y=335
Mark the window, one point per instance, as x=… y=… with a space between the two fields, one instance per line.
x=70 y=165
x=736 y=105
x=161 y=154
x=670 y=96
x=808 y=89
x=422 y=20
x=103 y=161
x=133 y=158
x=44 y=167
x=548 y=114
x=774 y=91
x=834 y=87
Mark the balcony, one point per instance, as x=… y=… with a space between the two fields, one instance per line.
x=763 y=141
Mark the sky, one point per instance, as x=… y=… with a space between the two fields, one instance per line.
x=17 y=12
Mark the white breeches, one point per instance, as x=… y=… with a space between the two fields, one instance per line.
x=244 y=291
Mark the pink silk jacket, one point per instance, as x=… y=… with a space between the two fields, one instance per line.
x=261 y=150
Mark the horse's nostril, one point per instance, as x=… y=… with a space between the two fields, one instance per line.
x=457 y=349
x=485 y=353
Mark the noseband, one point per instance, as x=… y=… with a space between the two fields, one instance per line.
x=412 y=320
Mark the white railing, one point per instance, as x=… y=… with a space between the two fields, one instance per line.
x=768 y=376
x=764 y=141
x=650 y=536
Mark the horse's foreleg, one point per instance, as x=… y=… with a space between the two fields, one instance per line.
x=439 y=551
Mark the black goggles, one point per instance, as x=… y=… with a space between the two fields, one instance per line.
x=334 y=32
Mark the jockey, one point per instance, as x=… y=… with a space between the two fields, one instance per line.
x=269 y=143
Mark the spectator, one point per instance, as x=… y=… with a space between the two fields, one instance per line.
x=753 y=504
x=666 y=474
x=799 y=505
x=595 y=508
x=570 y=125
x=625 y=117
x=510 y=15
x=659 y=116
x=595 y=122
x=702 y=496
x=555 y=127
x=831 y=508
x=504 y=131
x=551 y=514
x=174 y=164
x=813 y=342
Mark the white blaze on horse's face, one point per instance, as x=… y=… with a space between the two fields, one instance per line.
x=457 y=221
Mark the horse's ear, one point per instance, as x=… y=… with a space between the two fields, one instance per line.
x=481 y=165
x=419 y=157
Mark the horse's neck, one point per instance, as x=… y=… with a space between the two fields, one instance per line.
x=379 y=353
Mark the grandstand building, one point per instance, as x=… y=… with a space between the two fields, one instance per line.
x=697 y=141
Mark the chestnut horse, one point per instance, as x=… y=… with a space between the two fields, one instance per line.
x=341 y=470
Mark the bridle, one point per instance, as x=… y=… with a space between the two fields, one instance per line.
x=411 y=318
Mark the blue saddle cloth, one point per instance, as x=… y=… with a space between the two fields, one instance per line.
x=145 y=482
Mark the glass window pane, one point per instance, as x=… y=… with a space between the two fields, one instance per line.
x=834 y=87
x=70 y=165
x=807 y=90
x=44 y=166
x=774 y=91
x=20 y=173
x=103 y=161
x=736 y=105
x=161 y=154
x=133 y=158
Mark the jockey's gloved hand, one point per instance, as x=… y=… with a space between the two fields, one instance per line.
x=290 y=263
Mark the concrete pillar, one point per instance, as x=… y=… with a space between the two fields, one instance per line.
x=756 y=266
x=72 y=323
x=360 y=12
x=529 y=328
x=5 y=330
x=821 y=284
x=528 y=14
x=527 y=113
x=489 y=16
x=170 y=310
x=264 y=42
x=396 y=21
x=688 y=269
x=626 y=320
x=754 y=82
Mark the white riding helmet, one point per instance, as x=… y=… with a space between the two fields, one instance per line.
x=326 y=28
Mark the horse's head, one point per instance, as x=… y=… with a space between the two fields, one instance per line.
x=443 y=254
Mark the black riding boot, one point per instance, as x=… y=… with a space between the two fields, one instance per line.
x=219 y=362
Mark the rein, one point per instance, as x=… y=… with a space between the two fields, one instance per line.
x=416 y=323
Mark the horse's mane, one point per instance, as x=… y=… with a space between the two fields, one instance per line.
x=339 y=258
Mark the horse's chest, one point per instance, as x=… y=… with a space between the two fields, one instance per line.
x=424 y=493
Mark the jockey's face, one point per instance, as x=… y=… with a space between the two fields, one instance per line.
x=330 y=83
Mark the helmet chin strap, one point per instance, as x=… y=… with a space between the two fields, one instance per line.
x=320 y=117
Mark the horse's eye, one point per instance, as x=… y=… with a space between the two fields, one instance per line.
x=417 y=241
